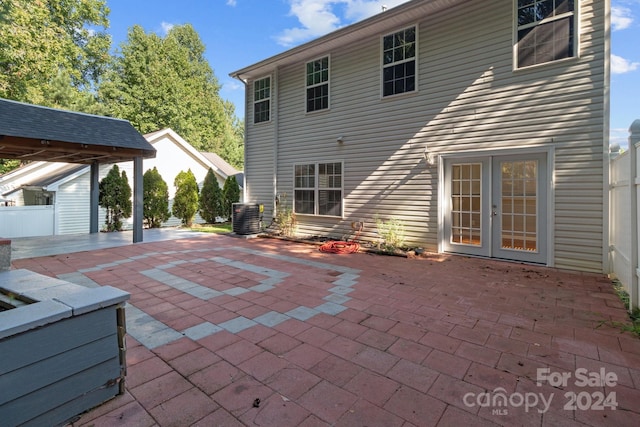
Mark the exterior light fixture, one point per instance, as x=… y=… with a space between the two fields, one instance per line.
x=429 y=157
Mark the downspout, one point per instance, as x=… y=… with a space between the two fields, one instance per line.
x=275 y=103
x=606 y=265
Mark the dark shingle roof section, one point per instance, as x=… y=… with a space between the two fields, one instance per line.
x=23 y=126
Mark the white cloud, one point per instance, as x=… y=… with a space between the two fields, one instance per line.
x=232 y=86
x=316 y=18
x=231 y=2
x=620 y=65
x=361 y=9
x=619 y=137
x=319 y=17
x=621 y=18
x=166 y=27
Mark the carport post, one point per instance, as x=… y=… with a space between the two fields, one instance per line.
x=94 y=195
x=138 y=211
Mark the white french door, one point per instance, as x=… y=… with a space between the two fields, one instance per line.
x=496 y=206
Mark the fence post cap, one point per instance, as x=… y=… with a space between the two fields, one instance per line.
x=635 y=126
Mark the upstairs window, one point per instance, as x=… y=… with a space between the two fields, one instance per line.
x=399 y=51
x=318 y=84
x=318 y=189
x=546 y=31
x=262 y=100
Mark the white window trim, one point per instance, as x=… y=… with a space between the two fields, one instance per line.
x=576 y=36
x=253 y=99
x=524 y=150
x=382 y=67
x=328 y=82
x=316 y=189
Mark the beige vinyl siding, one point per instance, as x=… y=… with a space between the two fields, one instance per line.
x=469 y=99
x=259 y=156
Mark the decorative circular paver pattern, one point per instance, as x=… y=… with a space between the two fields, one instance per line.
x=216 y=323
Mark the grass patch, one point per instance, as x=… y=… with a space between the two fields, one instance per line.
x=224 y=227
x=634 y=315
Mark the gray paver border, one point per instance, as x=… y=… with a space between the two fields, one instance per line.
x=153 y=333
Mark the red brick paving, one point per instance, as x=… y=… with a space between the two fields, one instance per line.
x=418 y=335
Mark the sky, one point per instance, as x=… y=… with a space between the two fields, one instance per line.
x=239 y=33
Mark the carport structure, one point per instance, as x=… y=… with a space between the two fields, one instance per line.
x=30 y=133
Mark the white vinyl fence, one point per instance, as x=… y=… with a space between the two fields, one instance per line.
x=624 y=191
x=26 y=221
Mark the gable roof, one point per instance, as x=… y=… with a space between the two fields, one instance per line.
x=49 y=181
x=31 y=132
x=214 y=161
x=220 y=163
x=55 y=176
x=389 y=20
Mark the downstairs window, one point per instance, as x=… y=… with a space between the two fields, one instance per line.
x=318 y=189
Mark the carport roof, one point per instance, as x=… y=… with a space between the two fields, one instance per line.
x=30 y=132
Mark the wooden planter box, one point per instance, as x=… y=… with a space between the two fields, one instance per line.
x=62 y=354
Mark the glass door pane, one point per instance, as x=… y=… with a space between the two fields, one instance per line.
x=466 y=214
x=519 y=183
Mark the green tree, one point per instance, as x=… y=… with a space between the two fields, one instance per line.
x=185 y=202
x=210 y=198
x=157 y=82
x=232 y=146
x=155 y=193
x=53 y=53
x=115 y=197
x=8 y=165
x=40 y=38
x=230 y=195
x=66 y=96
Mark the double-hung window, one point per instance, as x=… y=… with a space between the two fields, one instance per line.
x=262 y=100
x=318 y=84
x=546 y=31
x=399 y=59
x=318 y=189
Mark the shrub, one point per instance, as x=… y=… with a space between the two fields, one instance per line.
x=185 y=203
x=391 y=232
x=285 y=218
x=210 y=198
x=155 y=208
x=230 y=195
x=115 y=197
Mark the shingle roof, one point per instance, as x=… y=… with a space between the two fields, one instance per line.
x=32 y=132
x=220 y=163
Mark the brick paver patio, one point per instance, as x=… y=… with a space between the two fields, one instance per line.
x=230 y=332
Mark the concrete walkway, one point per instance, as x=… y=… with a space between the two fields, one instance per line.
x=234 y=332
x=32 y=247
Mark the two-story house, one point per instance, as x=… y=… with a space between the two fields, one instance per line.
x=481 y=125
